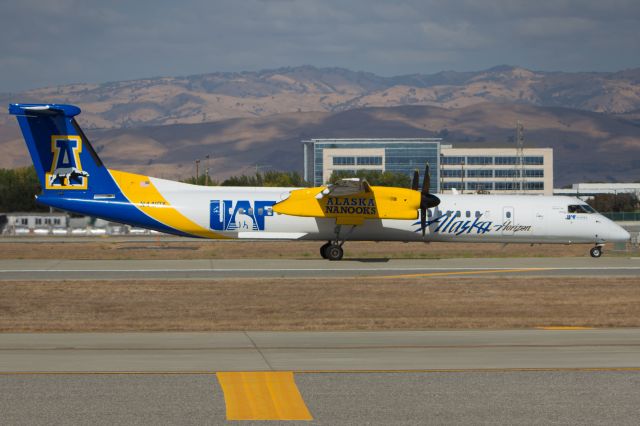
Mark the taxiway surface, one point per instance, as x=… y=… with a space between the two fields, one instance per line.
x=410 y=377
x=320 y=351
x=25 y=269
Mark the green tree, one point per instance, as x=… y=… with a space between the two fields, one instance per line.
x=271 y=178
x=202 y=180
x=18 y=188
x=625 y=202
x=374 y=177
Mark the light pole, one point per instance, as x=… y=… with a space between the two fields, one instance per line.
x=197 y=170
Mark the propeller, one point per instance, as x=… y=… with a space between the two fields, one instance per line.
x=427 y=200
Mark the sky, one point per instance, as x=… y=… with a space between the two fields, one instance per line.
x=55 y=42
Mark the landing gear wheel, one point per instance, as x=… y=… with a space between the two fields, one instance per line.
x=334 y=252
x=596 y=251
x=323 y=250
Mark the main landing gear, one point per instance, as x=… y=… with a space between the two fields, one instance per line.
x=332 y=250
x=596 y=251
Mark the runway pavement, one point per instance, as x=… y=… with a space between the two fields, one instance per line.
x=12 y=269
x=415 y=377
x=320 y=351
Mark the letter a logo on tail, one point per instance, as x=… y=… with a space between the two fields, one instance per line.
x=66 y=170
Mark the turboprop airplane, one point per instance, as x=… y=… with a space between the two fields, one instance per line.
x=74 y=178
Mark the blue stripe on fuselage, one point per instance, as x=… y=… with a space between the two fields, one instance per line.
x=117 y=209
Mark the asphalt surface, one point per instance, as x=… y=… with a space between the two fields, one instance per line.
x=552 y=397
x=25 y=269
x=537 y=376
x=320 y=351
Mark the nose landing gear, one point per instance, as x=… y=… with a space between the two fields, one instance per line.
x=596 y=251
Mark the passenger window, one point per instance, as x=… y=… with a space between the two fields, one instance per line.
x=260 y=211
x=508 y=215
x=250 y=212
x=478 y=214
x=468 y=213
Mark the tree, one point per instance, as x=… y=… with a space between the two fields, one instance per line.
x=202 y=180
x=18 y=189
x=625 y=202
x=374 y=177
x=270 y=178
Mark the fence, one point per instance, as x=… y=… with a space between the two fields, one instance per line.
x=623 y=216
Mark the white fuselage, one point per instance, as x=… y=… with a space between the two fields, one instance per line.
x=244 y=212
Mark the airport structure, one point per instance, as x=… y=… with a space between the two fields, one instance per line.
x=591 y=189
x=497 y=170
x=401 y=155
x=468 y=170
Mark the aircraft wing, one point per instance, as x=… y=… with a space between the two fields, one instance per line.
x=345 y=187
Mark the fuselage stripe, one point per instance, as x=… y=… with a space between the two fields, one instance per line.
x=142 y=193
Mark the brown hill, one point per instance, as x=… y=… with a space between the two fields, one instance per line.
x=587 y=146
x=218 y=96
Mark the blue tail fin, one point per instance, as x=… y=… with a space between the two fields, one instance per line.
x=62 y=155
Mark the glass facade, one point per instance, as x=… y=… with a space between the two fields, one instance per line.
x=475 y=161
x=480 y=173
x=445 y=173
x=507 y=173
x=534 y=173
x=400 y=156
x=344 y=161
x=370 y=161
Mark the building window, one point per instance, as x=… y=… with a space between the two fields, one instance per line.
x=56 y=221
x=369 y=161
x=534 y=161
x=534 y=173
x=509 y=173
x=38 y=221
x=344 y=161
x=346 y=172
x=451 y=185
x=24 y=221
x=450 y=173
x=506 y=161
x=479 y=186
x=479 y=160
x=507 y=186
x=452 y=160
x=480 y=173
x=534 y=186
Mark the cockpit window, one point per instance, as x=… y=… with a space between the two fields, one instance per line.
x=580 y=208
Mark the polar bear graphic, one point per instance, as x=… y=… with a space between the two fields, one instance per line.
x=65 y=175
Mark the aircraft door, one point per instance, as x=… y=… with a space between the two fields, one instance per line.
x=508 y=219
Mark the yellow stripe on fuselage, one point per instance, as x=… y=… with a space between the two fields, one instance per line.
x=145 y=196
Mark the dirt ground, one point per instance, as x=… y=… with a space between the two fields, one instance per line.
x=194 y=249
x=318 y=304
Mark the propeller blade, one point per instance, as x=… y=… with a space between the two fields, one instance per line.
x=416 y=180
x=427 y=179
x=423 y=220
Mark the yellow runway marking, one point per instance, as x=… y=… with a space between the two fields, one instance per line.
x=480 y=271
x=271 y=395
x=562 y=327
